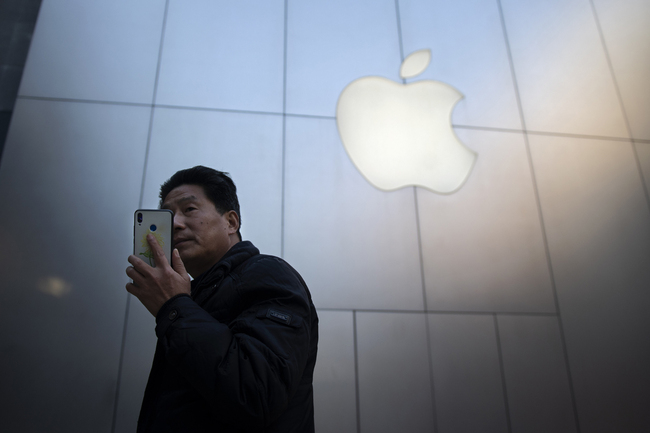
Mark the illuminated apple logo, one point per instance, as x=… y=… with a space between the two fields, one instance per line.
x=400 y=134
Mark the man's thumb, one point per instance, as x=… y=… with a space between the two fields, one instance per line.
x=177 y=263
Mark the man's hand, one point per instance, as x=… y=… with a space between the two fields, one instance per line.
x=154 y=286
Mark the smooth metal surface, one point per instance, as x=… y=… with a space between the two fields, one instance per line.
x=356 y=246
x=539 y=398
x=482 y=246
x=624 y=24
x=332 y=43
x=562 y=72
x=467 y=374
x=468 y=53
x=139 y=346
x=643 y=150
x=225 y=55
x=394 y=387
x=106 y=51
x=598 y=227
x=69 y=183
x=334 y=376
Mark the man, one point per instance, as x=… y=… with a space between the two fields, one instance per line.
x=237 y=344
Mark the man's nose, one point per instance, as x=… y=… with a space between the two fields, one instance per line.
x=179 y=222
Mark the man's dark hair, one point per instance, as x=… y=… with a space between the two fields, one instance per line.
x=217 y=186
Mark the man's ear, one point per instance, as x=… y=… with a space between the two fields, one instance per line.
x=233 y=221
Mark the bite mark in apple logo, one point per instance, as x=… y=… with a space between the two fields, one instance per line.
x=400 y=135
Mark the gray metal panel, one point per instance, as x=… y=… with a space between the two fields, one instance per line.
x=598 y=229
x=223 y=55
x=467 y=374
x=64 y=311
x=107 y=51
x=69 y=183
x=139 y=347
x=355 y=246
x=246 y=145
x=562 y=72
x=468 y=53
x=643 y=151
x=394 y=376
x=482 y=246
x=539 y=397
x=624 y=25
x=331 y=43
x=334 y=376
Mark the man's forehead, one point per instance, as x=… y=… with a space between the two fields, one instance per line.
x=183 y=198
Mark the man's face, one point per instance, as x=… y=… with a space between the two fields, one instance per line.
x=201 y=234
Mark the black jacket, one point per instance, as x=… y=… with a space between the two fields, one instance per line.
x=238 y=355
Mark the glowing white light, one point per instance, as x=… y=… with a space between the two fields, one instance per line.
x=400 y=134
x=54 y=286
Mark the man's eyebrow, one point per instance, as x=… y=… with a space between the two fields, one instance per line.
x=179 y=201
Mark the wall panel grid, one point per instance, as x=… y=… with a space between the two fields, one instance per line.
x=522 y=298
x=444 y=372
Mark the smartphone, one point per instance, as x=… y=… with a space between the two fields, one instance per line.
x=158 y=222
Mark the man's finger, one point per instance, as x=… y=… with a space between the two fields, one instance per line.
x=139 y=265
x=131 y=288
x=134 y=275
x=178 y=264
x=156 y=249
x=134 y=260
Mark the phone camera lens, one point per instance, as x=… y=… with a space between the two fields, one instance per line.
x=139 y=217
x=153 y=227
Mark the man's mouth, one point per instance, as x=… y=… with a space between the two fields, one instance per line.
x=180 y=241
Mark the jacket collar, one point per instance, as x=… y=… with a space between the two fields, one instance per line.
x=236 y=255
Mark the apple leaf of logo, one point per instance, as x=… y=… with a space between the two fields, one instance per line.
x=415 y=63
x=400 y=135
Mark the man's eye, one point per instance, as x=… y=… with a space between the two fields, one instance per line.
x=189 y=209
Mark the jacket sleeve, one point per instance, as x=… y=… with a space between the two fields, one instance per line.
x=246 y=370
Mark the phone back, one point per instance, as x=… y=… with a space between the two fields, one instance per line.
x=158 y=222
